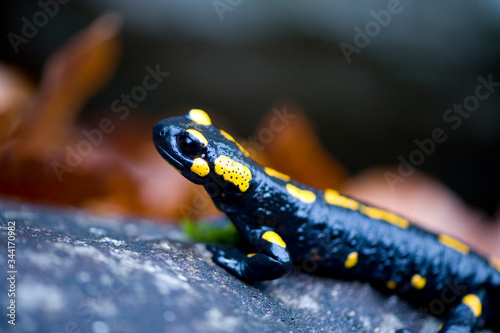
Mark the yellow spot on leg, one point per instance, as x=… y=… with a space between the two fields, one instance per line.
x=391 y=284
x=233 y=172
x=273 y=237
x=303 y=195
x=230 y=138
x=453 y=243
x=333 y=197
x=200 y=117
x=352 y=260
x=474 y=303
x=276 y=174
x=380 y=214
x=200 y=167
x=199 y=136
x=418 y=281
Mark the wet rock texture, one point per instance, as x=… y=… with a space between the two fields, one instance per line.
x=78 y=272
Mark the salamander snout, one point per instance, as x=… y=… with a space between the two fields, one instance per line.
x=160 y=131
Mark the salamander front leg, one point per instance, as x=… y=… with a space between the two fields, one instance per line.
x=271 y=261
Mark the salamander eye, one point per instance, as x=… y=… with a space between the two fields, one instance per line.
x=191 y=142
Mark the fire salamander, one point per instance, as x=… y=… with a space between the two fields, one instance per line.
x=287 y=222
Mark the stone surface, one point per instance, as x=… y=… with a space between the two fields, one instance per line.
x=78 y=272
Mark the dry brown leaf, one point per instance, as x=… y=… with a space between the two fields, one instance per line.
x=76 y=72
x=15 y=92
x=428 y=203
x=296 y=150
x=71 y=76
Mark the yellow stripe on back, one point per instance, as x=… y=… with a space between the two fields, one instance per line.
x=274 y=238
x=230 y=138
x=453 y=243
x=380 y=214
x=303 y=195
x=276 y=174
x=333 y=197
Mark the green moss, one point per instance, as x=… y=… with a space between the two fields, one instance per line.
x=223 y=232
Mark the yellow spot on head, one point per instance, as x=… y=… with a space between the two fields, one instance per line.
x=352 y=260
x=391 y=284
x=333 y=197
x=303 y=195
x=200 y=167
x=250 y=255
x=230 y=138
x=273 y=237
x=233 y=172
x=418 y=281
x=380 y=214
x=199 y=136
x=474 y=303
x=276 y=174
x=495 y=263
x=453 y=243
x=200 y=117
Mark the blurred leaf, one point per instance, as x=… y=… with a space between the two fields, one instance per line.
x=71 y=76
x=223 y=232
x=428 y=203
x=15 y=92
x=297 y=151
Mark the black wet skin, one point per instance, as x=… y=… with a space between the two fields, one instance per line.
x=319 y=236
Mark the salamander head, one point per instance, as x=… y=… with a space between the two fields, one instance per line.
x=201 y=152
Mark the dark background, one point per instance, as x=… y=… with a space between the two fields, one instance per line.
x=237 y=65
